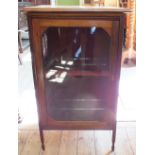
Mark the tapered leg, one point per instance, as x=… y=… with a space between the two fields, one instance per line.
x=42 y=139
x=20 y=60
x=113 y=138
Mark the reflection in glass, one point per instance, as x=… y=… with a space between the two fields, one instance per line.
x=76 y=61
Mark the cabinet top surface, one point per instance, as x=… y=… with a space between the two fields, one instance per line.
x=49 y=8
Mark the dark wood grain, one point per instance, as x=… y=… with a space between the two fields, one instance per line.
x=86 y=96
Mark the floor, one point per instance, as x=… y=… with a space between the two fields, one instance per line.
x=76 y=142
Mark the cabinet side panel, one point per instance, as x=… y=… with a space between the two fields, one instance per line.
x=38 y=75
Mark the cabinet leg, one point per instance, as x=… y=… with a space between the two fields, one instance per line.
x=19 y=58
x=113 y=139
x=42 y=139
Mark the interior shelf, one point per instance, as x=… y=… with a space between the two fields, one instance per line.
x=77 y=98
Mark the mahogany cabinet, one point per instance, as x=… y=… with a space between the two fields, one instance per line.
x=76 y=58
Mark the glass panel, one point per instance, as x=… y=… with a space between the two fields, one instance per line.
x=76 y=62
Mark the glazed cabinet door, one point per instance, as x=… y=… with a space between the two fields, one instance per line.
x=75 y=69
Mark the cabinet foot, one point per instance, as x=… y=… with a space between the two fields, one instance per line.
x=43 y=147
x=112 y=148
x=113 y=139
x=42 y=139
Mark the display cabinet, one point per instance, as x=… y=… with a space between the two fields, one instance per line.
x=76 y=58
